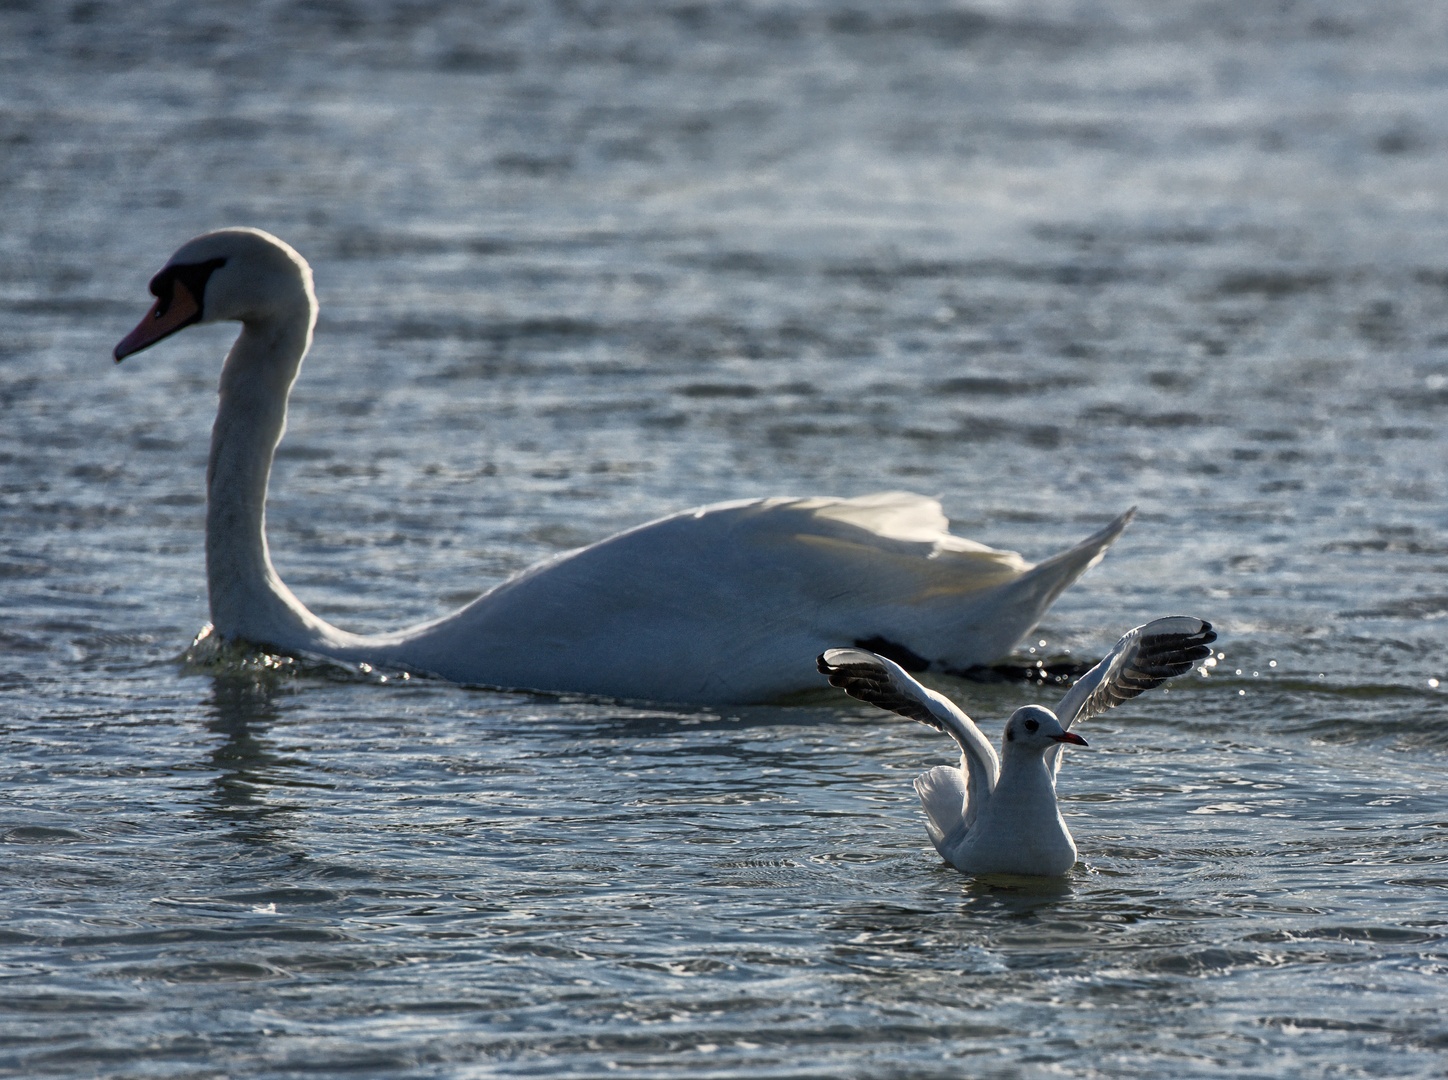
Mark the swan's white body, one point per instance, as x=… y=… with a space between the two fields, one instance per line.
x=710 y=606
x=999 y=815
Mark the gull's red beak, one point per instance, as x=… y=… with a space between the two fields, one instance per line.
x=1072 y=738
x=163 y=320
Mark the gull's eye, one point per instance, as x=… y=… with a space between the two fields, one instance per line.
x=1032 y=725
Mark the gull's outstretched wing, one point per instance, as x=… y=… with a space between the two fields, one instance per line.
x=1142 y=660
x=884 y=683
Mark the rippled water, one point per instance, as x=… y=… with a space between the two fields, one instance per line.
x=587 y=264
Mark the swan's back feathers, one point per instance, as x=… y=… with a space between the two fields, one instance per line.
x=710 y=605
x=903 y=515
x=892 y=543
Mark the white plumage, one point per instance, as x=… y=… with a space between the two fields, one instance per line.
x=999 y=815
x=711 y=606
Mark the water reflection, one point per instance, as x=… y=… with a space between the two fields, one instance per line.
x=245 y=763
x=1009 y=894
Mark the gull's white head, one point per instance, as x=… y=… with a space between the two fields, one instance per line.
x=233 y=274
x=1035 y=728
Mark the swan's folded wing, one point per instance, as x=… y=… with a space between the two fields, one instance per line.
x=903 y=515
x=887 y=534
x=884 y=683
x=1142 y=660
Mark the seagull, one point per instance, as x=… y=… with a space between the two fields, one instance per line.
x=999 y=815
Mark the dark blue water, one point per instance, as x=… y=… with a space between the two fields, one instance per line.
x=583 y=265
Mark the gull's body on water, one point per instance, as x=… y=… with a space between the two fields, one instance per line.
x=710 y=606
x=998 y=815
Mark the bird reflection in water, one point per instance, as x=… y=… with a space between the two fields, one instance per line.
x=246 y=765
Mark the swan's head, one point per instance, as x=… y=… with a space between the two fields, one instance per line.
x=1035 y=728
x=236 y=274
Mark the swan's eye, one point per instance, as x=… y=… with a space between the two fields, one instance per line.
x=1032 y=725
x=163 y=287
x=193 y=276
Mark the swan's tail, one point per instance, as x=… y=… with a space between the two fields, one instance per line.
x=944 y=796
x=1074 y=562
x=1038 y=588
x=993 y=622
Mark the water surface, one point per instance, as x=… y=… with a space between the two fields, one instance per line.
x=581 y=266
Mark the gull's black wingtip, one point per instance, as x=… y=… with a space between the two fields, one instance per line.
x=1198 y=646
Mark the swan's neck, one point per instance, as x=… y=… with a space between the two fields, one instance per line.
x=248 y=600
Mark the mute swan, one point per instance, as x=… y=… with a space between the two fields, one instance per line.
x=999 y=816
x=710 y=606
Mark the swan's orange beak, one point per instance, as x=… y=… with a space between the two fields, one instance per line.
x=163 y=320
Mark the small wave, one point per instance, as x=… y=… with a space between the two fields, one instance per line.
x=1410 y=607
x=211 y=654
